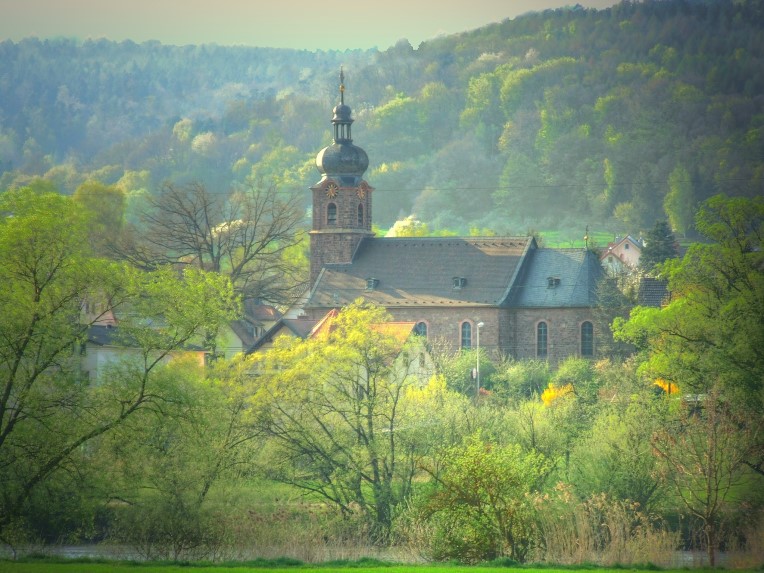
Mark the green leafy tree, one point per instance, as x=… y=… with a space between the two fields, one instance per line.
x=613 y=455
x=49 y=415
x=334 y=408
x=660 y=246
x=481 y=508
x=712 y=330
x=679 y=203
x=708 y=342
x=174 y=472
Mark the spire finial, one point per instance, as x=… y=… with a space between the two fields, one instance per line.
x=342 y=86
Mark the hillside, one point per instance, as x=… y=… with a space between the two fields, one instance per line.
x=613 y=117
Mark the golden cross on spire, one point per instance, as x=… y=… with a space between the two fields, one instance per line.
x=342 y=86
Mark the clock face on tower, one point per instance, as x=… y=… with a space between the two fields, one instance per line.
x=331 y=190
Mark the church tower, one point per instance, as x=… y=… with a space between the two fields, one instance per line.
x=341 y=199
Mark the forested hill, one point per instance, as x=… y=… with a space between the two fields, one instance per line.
x=613 y=117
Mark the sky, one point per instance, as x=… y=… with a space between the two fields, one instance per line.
x=298 y=24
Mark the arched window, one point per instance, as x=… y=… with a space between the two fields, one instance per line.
x=331 y=214
x=420 y=329
x=466 y=339
x=542 y=339
x=587 y=339
x=360 y=215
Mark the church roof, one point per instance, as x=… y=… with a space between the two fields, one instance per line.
x=558 y=278
x=431 y=271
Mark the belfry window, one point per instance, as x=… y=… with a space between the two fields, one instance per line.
x=360 y=215
x=331 y=214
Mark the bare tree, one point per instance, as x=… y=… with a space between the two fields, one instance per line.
x=252 y=236
x=704 y=457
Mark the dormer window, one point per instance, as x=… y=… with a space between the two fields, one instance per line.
x=552 y=282
x=372 y=283
x=459 y=283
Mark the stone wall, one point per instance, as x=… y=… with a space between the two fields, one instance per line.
x=563 y=332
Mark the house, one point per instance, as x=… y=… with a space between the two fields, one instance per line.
x=524 y=301
x=105 y=346
x=296 y=327
x=622 y=255
x=239 y=335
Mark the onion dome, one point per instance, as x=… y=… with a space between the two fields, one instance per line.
x=342 y=160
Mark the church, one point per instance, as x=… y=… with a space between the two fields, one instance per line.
x=505 y=294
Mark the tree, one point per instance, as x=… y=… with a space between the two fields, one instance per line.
x=50 y=415
x=679 y=203
x=614 y=456
x=704 y=456
x=660 y=245
x=712 y=331
x=244 y=236
x=335 y=410
x=105 y=202
x=481 y=508
x=172 y=471
x=708 y=340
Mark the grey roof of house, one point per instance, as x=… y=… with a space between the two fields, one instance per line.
x=421 y=271
x=652 y=292
x=300 y=327
x=103 y=335
x=573 y=273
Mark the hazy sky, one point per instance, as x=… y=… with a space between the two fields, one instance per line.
x=302 y=24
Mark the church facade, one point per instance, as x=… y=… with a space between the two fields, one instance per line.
x=505 y=294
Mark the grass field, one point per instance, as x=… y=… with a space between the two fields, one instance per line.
x=58 y=565
x=85 y=567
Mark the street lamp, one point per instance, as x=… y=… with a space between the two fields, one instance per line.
x=477 y=360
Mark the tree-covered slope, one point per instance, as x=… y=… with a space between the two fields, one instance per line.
x=614 y=117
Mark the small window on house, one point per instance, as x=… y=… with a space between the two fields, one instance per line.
x=331 y=214
x=542 y=339
x=360 y=215
x=459 y=282
x=626 y=246
x=466 y=336
x=587 y=339
x=420 y=329
x=371 y=283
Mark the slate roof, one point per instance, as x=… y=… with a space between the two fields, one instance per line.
x=558 y=278
x=107 y=335
x=300 y=327
x=419 y=272
x=104 y=335
x=652 y=292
